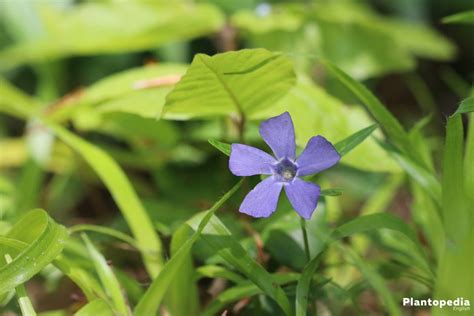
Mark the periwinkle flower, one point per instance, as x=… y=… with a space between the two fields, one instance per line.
x=284 y=171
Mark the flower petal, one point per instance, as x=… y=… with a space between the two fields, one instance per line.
x=263 y=199
x=279 y=133
x=248 y=161
x=318 y=155
x=303 y=196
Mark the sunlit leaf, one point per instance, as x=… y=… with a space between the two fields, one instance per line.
x=466 y=17
x=44 y=240
x=239 y=83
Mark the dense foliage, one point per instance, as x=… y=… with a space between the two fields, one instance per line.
x=116 y=123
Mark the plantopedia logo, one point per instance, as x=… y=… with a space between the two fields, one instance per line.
x=459 y=304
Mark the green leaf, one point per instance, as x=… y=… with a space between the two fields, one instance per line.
x=455 y=209
x=222 y=147
x=466 y=106
x=44 y=240
x=24 y=301
x=139 y=91
x=454 y=277
x=221 y=241
x=384 y=221
x=124 y=195
x=425 y=178
x=331 y=192
x=14 y=102
x=466 y=17
x=304 y=283
x=239 y=82
x=183 y=288
x=387 y=121
x=107 y=277
x=374 y=279
x=214 y=271
x=96 y=307
x=151 y=300
x=346 y=145
x=243 y=290
x=95 y=27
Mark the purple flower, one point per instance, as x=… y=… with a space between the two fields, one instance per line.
x=284 y=171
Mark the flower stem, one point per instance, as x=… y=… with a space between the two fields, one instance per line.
x=305 y=238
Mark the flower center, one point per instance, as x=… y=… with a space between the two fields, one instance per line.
x=285 y=170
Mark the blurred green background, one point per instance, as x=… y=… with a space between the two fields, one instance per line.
x=92 y=66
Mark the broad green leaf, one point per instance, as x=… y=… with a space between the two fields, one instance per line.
x=44 y=241
x=96 y=307
x=124 y=195
x=392 y=127
x=151 y=300
x=466 y=106
x=239 y=83
x=217 y=236
x=95 y=27
x=466 y=17
x=315 y=112
x=139 y=91
x=222 y=147
x=107 y=277
x=275 y=20
x=366 y=44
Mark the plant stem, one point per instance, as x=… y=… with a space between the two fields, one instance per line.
x=305 y=238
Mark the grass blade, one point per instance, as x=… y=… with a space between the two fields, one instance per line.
x=220 y=239
x=222 y=147
x=387 y=121
x=107 y=277
x=346 y=145
x=124 y=195
x=151 y=300
x=96 y=307
x=466 y=106
x=26 y=306
x=45 y=240
x=304 y=283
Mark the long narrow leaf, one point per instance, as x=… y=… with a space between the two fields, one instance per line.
x=222 y=242
x=124 y=195
x=151 y=300
x=107 y=277
x=387 y=121
x=45 y=239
